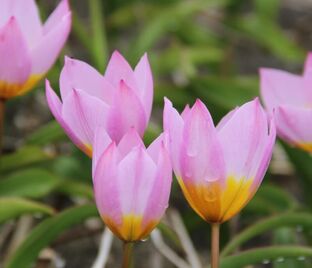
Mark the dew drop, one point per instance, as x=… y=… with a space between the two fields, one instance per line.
x=301 y=258
x=265 y=261
x=209 y=195
x=280 y=259
x=144 y=239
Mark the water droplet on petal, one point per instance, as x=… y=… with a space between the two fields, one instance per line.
x=301 y=258
x=265 y=261
x=144 y=239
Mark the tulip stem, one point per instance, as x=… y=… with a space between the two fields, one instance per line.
x=215 y=237
x=127 y=254
x=2 y=109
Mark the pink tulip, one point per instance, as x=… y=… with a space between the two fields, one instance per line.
x=291 y=97
x=219 y=168
x=131 y=184
x=119 y=100
x=28 y=49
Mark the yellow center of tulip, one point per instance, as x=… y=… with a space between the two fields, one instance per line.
x=216 y=203
x=132 y=227
x=9 y=90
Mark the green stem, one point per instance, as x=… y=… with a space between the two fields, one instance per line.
x=127 y=254
x=2 y=112
x=100 y=50
x=215 y=238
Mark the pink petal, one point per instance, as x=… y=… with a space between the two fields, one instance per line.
x=136 y=175
x=100 y=143
x=78 y=74
x=243 y=138
x=159 y=196
x=185 y=112
x=45 y=53
x=27 y=16
x=55 y=106
x=144 y=79
x=15 y=63
x=126 y=112
x=201 y=153
x=225 y=119
x=155 y=147
x=280 y=87
x=130 y=140
x=173 y=125
x=307 y=77
x=105 y=180
x=294 y=124
x=83 y=114
x=119 y=69
x=56 y=16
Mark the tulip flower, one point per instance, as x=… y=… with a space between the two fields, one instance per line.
x=28 y=49
x=291 y=97
x=219 y=168
x=131 y=183
x=118 y=101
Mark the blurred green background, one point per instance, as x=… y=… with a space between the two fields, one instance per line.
x=207 y=49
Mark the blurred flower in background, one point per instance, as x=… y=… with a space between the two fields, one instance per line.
x=131 y=183
x=119 y=100
x=290 y=96
x=219 y=168
x=28 y=49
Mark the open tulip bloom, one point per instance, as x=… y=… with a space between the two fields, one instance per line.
x=219 y=168
x=131 y=183
x=28 y=49
x=290 y=96
x=119 y=100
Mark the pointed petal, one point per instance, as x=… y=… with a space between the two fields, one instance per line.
x=242 y=138
x=144 y=80
x=45 y=53
x=136 y=174
x=307 y=78
x=55 y=106
x=292 y=124
x=201 y=153
x=15 y=63
x=56 y=16
x=126 y=112
x=280 y=87
x=159 y=196
x=107 y=193
x=78 y=74
x=27 y=16
x=83 y=114
x=173 y=125
x=100 y=143
x=130 y=140
x=119 y=69
x=225 y=119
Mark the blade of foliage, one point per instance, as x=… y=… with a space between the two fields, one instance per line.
x=283 y=220
x=13 y=207
x=302 y=163
x=74 y=188
x=48 y=133
x=48 y=230
x=99 y=41
x=32 y=182
x=25 y=156
x=269 y=254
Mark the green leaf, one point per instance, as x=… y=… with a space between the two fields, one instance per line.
x=76 y=188
x=48 y=133
x=25 y=156
x=14 y=207
x=256 y=256
x=44 y=233
x=33 y=182
x=284 y=220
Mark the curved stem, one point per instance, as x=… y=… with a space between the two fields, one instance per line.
x=127 y=254
x=2 y=109
x=215 y=237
